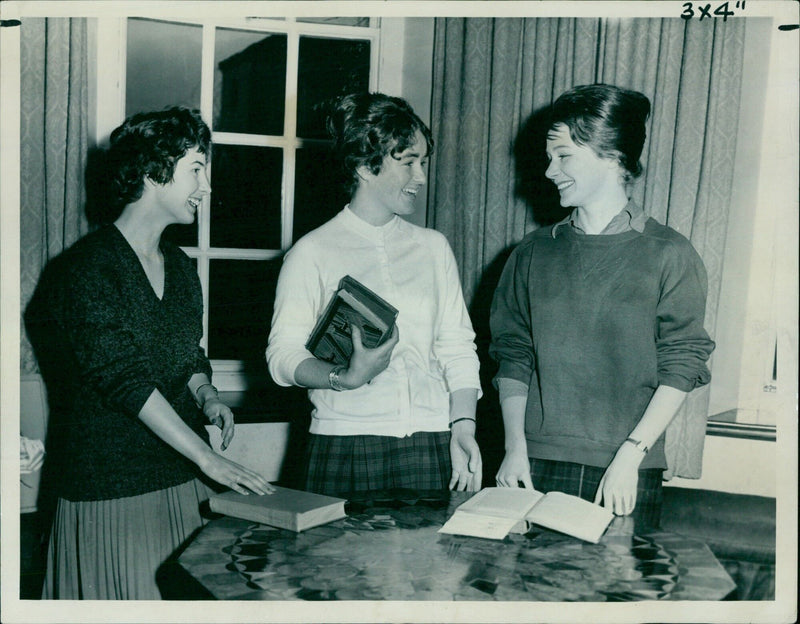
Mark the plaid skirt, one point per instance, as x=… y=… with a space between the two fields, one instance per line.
x=581 y=480
x=339 y=465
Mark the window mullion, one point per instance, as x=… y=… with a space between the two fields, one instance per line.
x=256 y=140
x=202 y=272
x=111 y=55
x=206 y=110
x=203 y=215
x=375 y=62
x=290 y=134
x=207 y=74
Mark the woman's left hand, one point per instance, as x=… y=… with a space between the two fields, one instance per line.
x=617 y=488
x=220 y=415
x=465 y=455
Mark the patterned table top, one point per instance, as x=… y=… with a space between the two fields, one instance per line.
x=388 y=548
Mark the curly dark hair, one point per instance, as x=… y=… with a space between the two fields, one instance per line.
x=366 y=127
x=147 y=145
x=609 y=119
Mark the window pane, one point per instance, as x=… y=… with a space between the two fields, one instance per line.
x=241 y=299
x=246 y=197
x=182 y=235
x=327 y=68
x=249 y=82
x=163 y=65
x=338 y=21
x=319 y=194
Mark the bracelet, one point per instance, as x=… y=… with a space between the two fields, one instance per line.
x=459 y=420
x=638 y=444
x=333 y=378
x=197 y=393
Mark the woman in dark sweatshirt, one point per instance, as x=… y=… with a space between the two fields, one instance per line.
x=128 y=442
x=597 y=322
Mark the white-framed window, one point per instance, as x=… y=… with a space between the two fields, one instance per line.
x=260 y=84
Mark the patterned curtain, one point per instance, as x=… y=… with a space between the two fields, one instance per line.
x=493 y=78
x=53 y=148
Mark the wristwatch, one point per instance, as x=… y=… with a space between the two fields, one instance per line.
x=333 y=378
x=638 y=444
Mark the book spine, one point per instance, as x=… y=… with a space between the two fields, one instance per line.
x=363 y=310
x=381 y=307
x=262 y=515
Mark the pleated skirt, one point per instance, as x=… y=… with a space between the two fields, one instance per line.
x=112 y=549
x=340 y=465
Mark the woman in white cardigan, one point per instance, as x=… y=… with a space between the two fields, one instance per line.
x=402 y=414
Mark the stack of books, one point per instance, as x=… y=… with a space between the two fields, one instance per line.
x=353 y=304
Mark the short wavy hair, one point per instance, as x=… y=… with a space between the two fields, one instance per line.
x=366 y=127
x=148 y=145
x=608 y=119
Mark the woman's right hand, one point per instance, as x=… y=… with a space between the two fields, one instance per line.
x=365 y=364
x=233 y=475
x=515 y=468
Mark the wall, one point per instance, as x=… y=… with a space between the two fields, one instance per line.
x=259 y=446
x=735 y=465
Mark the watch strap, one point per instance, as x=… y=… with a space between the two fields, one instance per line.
x=333 y=378
x=638 y=444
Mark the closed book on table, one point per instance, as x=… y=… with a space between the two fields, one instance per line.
x=286 y=508
x=351 y=304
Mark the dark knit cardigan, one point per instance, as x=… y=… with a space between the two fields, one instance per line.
x=593 y=325
x=115 y=342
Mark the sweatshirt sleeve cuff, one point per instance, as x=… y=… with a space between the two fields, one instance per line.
x=681 y=383
x=507 y=388
x=509 y=370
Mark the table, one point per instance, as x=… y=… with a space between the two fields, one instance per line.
x=388 y=548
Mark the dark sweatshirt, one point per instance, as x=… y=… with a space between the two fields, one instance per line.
x=593 y=324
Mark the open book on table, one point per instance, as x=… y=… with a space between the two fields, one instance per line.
x=495 y=512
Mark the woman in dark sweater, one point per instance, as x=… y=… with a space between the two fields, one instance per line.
x=597 y=322
x=128 y=445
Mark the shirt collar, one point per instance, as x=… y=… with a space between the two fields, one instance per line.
x=367 y=230
x=631 y=217
x=638 y=217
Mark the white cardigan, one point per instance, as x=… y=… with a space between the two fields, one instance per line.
x=412 y=268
